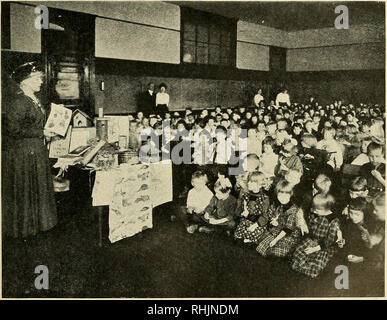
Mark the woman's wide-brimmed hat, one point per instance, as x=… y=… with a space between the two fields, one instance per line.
x=26 y=70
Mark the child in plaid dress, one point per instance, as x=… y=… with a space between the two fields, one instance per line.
x=252 y=204
x=314 y=253
x=283 y=233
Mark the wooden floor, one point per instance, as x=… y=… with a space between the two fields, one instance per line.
x=164 y=261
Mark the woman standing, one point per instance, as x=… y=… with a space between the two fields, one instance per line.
x=162 y=100
x=27 y=186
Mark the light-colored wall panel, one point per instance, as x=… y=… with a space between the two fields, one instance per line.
x=24 y=36
x=331 y=36
x=155 y=13
x=352 y=57
x=121 y=40
x=252 y=56
x=250 y=32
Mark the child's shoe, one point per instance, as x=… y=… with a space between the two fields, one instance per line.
x=192 y=228
x=205 y=229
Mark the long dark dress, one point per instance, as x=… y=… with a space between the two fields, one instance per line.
x=28 y=199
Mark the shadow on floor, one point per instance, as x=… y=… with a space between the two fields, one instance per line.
x=161 y=262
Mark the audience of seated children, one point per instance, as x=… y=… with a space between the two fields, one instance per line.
x=291 y=175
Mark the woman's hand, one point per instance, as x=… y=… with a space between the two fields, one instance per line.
x=49 y=134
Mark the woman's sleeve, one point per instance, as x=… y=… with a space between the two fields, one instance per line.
x=167 y=100
x=17 y=123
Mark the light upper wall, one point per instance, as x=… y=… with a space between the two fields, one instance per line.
x=359 y=47
x=121 y=40
x=24 y=36
x=332 y=37
x=253 y=43
x=154 y=13
x=252 y=56
x=351 y=57
x=259 y=34
x=142 y=31
x=150 y=31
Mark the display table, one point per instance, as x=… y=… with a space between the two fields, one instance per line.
x=131 y=192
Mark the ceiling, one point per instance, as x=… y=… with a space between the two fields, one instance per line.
x=292 y=15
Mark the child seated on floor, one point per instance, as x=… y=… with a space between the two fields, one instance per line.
x=252 y=165
x=282 y=233
x=221 y=209
x=356 y=231
x=198 y=199
x=252 y=204
x=376 y=224
x=314 y=252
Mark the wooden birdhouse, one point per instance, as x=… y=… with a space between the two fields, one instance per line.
x=81 y=119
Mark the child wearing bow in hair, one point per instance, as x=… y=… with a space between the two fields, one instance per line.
x=252 y=206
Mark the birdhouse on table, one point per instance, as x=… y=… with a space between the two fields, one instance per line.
x=81 y=119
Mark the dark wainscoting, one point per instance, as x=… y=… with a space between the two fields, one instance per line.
x=154 y=69
x=207 y=86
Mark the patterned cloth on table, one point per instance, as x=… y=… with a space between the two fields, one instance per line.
x=287 y=221
x=323 y=232
x=257 y=205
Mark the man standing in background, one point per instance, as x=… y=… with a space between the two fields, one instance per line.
x=147 y=100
